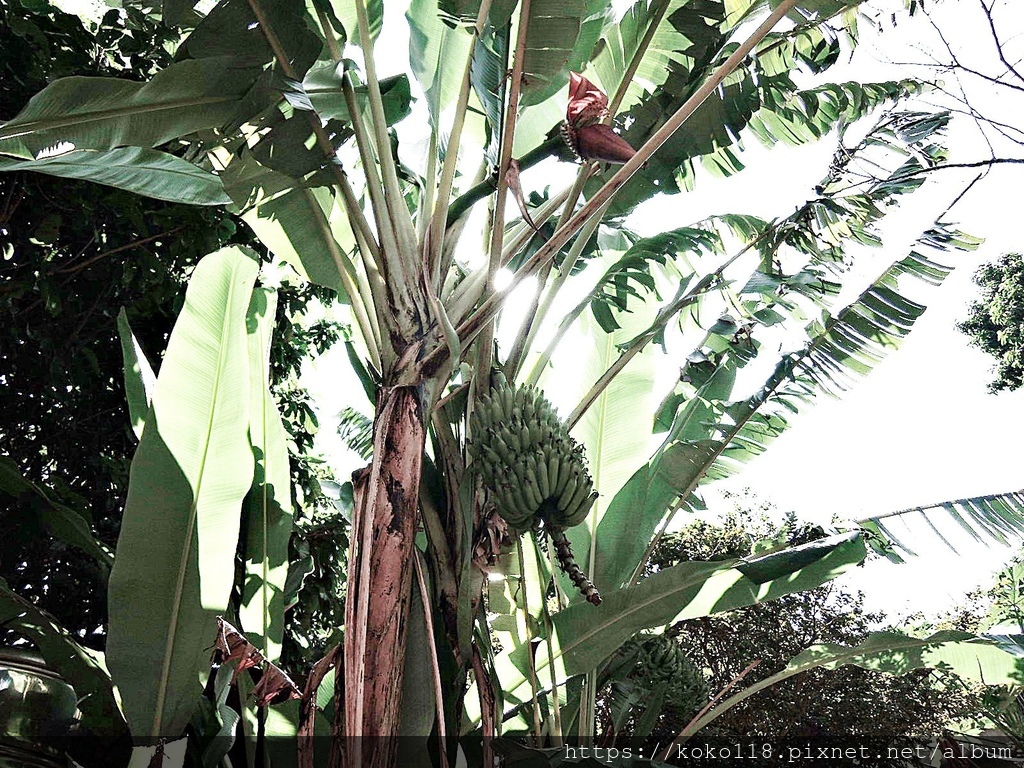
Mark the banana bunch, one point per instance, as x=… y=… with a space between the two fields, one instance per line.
x=661 y=661
x=534 y=470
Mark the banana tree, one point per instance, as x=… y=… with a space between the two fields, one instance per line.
x=278 y=111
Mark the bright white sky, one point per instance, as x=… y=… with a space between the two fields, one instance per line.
x=922 y=427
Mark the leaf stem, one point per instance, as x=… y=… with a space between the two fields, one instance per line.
x=465 y=295
x=352 y=209
x=556 y=707
x=435 y=668
x=399 y=217
x=687 y=732
x=436 y=229
x=497 y=233
x=524 y=602
x=529 y=329
x=388 y=260
x=460 y=205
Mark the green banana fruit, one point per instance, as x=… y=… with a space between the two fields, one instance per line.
x=535 y=473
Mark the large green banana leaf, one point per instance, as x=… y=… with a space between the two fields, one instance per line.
x=345 y=13
x=608 y=430
x=134 y=169
x=635 y=511
x=437 y=53
x=104 y=112
x=560 y=38
x=174 y=565
x=139 y=378
x=268 y=513
x=585 y=635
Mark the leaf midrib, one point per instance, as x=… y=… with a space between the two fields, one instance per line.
x=24 y=128
x=193 y=515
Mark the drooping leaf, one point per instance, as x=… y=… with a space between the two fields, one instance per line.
x=139 y=378
x=321 y=90
x=797 y=117
x=274 y=685
x=103 y=113
x=60 y=521
x=267 y=511
x=997 y=517
x=982 y=659
x=585 y=635
x=174 y=567
x=289 y=145
x=142 y=171
x=305 y=227
x=632 y=276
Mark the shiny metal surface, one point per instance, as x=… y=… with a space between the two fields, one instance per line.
x=37 y=711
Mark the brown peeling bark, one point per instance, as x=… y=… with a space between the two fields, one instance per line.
x=380 y=571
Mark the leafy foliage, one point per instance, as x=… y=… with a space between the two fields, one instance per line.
x=75 y=254
x=267 y=106
x=996 y=321
x=846 y=705
x=63 y=420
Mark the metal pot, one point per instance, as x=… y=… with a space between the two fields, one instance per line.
x=37 y=711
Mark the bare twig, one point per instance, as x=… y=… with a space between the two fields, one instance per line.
x=127 y=246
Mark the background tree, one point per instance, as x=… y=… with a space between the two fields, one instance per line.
x=996 y=321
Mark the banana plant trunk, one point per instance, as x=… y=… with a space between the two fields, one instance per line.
x=380 y=578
